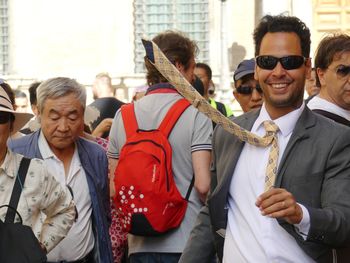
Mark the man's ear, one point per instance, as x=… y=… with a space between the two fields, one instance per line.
x=179 y=66
x=320 y=73
x=256 y=73
x=308 y=68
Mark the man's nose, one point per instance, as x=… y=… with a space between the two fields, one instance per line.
x=63 y=124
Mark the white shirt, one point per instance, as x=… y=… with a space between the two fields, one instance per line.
x=250 y=236
x=317 y=103
x=80 y=239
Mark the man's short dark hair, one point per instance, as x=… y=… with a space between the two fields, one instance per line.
x=330 y=48
x=206 y=68
x=176 y=47
x=280 y=23
x=32 y=92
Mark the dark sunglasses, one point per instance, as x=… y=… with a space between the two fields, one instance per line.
x=5 y=117
x=247 y=90
x=288 y=62
x=343 y=71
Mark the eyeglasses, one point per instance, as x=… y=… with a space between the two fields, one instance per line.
x=343 y=71
x=5 y=117
x=287 y=62
x=248 y=90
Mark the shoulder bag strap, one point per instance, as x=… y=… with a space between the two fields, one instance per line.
x=17 y=189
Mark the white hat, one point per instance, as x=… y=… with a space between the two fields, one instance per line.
x=6 y=106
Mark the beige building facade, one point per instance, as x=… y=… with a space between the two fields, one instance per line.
x=80 y=38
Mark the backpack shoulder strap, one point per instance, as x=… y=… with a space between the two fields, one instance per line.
x=17 y=189
x=173 y=115
x=129 y=119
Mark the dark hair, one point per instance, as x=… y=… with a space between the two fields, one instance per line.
x=177 y=48
x=206 y=68
x=330 y=48
x=280 y=23
x=32 y=92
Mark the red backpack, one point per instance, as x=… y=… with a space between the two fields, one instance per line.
x=147 y=199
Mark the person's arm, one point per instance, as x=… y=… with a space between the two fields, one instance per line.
x=201 y=168
x=113 y=149
x=58 y=206
x=104 y=126
x=112 y=164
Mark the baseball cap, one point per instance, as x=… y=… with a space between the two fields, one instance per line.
x=244 y=68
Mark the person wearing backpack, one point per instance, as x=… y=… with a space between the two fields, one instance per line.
x=27 y=189
x=159 y=146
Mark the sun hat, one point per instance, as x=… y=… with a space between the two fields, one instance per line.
x=6 y=106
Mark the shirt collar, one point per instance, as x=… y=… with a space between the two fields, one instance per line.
x=44 y=147
x=286 y=123
x=319 y=103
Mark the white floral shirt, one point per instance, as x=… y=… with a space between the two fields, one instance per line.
x=41 y=194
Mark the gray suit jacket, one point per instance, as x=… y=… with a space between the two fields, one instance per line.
x=315 y=168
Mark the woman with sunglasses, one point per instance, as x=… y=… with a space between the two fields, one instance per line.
x=332 y=63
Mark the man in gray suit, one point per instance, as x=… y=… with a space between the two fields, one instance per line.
x=307 y=212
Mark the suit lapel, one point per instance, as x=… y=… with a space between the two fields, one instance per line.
x=301 y=132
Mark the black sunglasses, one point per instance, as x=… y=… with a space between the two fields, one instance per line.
x=247 y=90
x=5 y=117
x=343 y=71
x=288 y=62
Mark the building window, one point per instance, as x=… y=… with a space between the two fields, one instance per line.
x=154 y=16
x=3 y=36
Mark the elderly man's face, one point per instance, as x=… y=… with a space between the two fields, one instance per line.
x=62 y=121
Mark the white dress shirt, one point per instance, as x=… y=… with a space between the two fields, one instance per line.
x=317 y=103
x=250 y=236
x=80 y=239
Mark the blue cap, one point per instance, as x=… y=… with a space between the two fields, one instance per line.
x=244 y=68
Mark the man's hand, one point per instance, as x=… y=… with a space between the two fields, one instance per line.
x=279 y=203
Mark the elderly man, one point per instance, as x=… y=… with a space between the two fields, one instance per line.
x=332 y=63
x=41 y=193
x=79 y=163
x=247 y=91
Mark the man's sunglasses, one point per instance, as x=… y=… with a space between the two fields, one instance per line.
x=5 y=117
x=343 y=71
x=288 y=62
x=247 y=90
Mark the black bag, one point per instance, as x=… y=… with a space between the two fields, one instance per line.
x=18 y=243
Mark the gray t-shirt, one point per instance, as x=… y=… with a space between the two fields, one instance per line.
x=192 y=132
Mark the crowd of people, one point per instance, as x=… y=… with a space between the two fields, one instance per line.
x=280 y=194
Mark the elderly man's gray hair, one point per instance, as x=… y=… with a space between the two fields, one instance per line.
x=59 y=87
